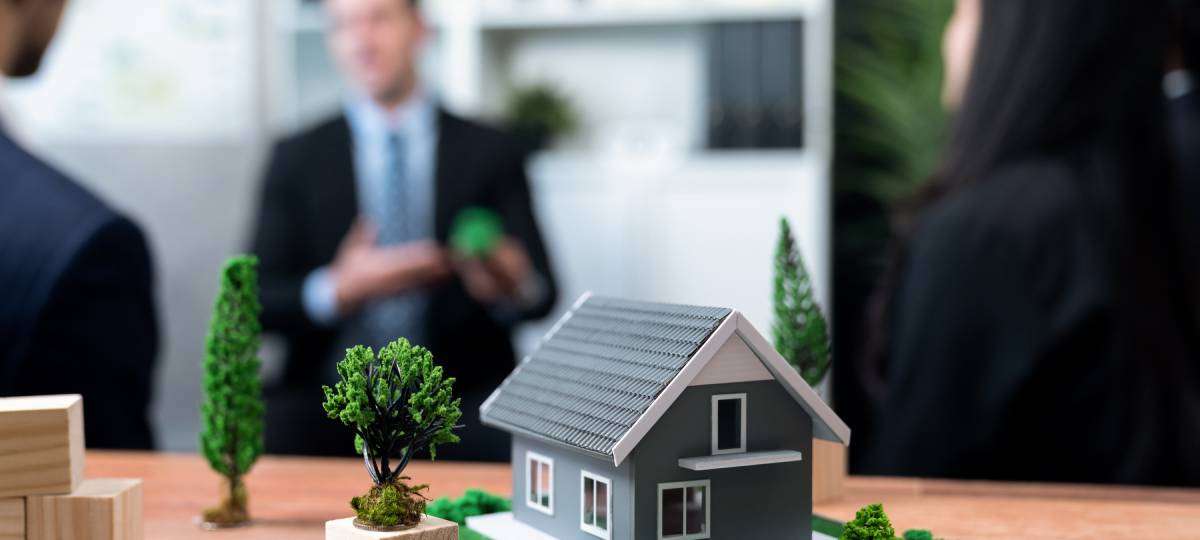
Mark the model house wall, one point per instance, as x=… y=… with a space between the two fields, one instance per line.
x=568 y=466
x=742 y=497
x=738 y=495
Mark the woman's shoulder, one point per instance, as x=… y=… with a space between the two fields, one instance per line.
x=1036 y=220
x=1024 y=204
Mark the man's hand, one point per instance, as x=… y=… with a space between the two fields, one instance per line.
x=364 y=271
x=499 y=276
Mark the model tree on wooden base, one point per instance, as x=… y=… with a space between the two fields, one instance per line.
x=231 y=414
x=801 y=333
x=398 y=403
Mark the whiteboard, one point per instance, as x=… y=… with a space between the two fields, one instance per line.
x=161 y=71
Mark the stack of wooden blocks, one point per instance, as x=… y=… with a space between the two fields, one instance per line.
x=43 y=495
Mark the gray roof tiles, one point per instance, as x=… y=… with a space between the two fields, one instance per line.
x=595 y=375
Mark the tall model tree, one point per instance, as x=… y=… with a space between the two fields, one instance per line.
x=801 y=334
x=397 y=404
x=231 y=416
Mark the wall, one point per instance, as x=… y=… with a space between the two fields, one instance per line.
x=564 y=524
x=769 y=502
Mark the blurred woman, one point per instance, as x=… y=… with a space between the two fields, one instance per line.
x=1035 y=322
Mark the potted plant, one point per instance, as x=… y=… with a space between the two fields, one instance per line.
x=540 y=113
x=397 y=403
x=231 y=415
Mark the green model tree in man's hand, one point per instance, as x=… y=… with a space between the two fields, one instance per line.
x=231 y=415
x=397 y=404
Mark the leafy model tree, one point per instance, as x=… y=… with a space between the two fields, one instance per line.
x=231 y=415
x=397 y=403
x=870 y=523
x=801 y=334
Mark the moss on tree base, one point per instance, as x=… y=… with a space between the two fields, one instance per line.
x=225 y=516
x=393 y=506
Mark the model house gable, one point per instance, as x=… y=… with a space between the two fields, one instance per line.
x=643 y=420
x=610 y=368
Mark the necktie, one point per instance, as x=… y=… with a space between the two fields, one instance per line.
x=395 y=212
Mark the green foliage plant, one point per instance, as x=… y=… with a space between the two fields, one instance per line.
x=397 y=403
x=917 y=534
x=231 y=414
x=870 y=523
x=541 y=112
x=801 y=333
x=888 y=69
x=474 y=502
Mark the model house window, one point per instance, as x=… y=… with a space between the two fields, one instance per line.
x=683 y=512
x=596 y=505
x=728 y=423
x=539 y=482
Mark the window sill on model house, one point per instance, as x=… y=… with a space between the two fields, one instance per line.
x=744 y=459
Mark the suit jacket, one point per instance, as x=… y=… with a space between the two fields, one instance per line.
x=308 y=205
x=76 y=305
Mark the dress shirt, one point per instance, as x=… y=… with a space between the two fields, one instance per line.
x=415 y=121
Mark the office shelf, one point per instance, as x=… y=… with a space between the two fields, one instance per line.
x=584 y=15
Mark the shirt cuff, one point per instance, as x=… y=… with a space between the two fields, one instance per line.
x=319 y=297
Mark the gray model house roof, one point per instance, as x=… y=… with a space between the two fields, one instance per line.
x=610 y=367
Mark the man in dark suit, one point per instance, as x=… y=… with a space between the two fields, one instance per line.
x=355 y=216
x=76 y=301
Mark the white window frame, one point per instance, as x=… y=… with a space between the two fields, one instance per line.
x=530 y=459
x=707 y=509
x=726 y=397
x=606 y=534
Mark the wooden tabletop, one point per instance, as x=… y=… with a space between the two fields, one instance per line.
x=291 y=498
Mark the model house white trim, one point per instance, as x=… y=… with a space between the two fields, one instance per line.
x=744 y=459
x=705 y=499
x=599 y=497
x=740 y=418
x=539 y=491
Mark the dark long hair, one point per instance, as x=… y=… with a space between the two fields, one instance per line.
x=1077 y=80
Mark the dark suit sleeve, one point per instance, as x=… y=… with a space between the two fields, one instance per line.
x=515 y=204
x=282 y=269
x=99 y=336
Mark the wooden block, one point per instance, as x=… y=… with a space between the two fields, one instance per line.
x=12 y=519
x=430 y=528
x=41 y=445
x=828 y=471
x=101 y=509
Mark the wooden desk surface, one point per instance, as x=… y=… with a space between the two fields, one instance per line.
x=291 y=498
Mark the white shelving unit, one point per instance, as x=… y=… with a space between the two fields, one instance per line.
x=633 y=204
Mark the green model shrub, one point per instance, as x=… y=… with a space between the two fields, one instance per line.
x=870 y=523
x=918 y=534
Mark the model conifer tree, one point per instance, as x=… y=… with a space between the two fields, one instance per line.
x=801 y=334
x=231 y=415
x=870 y=523
x=397 y=403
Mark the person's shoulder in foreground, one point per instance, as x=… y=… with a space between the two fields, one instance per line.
x=77 y=309
x=1003 y=304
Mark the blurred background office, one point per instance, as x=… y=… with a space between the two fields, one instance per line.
x=674 y=135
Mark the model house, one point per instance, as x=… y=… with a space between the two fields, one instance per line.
x=656 y=421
